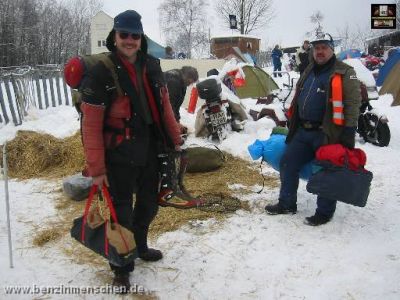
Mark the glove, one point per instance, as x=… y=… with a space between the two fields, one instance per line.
x=347 y=137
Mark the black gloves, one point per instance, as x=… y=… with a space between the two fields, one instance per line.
x=347 y=137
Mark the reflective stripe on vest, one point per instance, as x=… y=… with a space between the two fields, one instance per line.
x=337 y=100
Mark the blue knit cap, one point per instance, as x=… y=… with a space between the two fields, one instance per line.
x=128 y=21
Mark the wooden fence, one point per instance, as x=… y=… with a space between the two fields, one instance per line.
x=23 y=87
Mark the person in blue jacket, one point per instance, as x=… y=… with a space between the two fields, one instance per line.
x=276 y=60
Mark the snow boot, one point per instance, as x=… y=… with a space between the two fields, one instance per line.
x=121 y=284
x=278 y=209
x=317 y=220
x=151 y=255
x=173 y=193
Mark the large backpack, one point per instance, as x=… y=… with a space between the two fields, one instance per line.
x=78 y=67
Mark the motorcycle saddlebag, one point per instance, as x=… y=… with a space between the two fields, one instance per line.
x=209 y=89
x=341 y=183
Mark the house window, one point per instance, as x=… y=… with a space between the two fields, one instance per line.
x=98 y=43
x=103 y=42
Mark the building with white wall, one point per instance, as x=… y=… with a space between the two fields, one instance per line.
x=100 y=27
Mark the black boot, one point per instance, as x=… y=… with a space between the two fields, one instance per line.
x=278 y=209
x=151 y=255
x=317 y=220
x=121 y=283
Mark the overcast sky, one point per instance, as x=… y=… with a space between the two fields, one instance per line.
x=288 y=28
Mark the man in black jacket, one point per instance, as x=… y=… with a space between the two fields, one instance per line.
x=123 y=127
x=177 y=81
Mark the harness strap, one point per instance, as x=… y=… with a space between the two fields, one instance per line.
x=89 y=201
x=263 y=177
x=113 y=217
x=111 y=67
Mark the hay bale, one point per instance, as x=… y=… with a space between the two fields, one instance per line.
x=45 y=236
x=31 y=155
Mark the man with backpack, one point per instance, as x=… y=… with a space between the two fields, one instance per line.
x=324 y=110
x=127 y=120
x=177 y=81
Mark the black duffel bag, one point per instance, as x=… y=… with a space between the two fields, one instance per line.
x=104 y=235
x=341 y=183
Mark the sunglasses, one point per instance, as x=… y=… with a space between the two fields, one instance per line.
x=125 y=35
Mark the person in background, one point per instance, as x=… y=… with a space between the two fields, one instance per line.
x=177 y=81
x=169 y=53
x=302 y=56
x=276 y=60
x=122 y=135
x=315 y=120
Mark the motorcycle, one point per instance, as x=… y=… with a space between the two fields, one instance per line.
x=372 y=126
x=217 y=113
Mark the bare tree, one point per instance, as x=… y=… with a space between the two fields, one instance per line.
x=184 y=24
x=252 y=14
x=316 y=18
x=354 y=36
x=44 y=31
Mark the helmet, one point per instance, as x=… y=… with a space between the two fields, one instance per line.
x=323 y=37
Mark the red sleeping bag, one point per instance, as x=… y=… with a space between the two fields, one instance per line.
x=336 y=154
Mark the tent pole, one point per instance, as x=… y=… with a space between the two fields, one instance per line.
x=5 y=172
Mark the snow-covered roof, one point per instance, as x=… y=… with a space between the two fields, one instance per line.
x=236 y=35
x=382 y=35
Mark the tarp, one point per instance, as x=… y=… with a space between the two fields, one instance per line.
x=392 y=60
x=257 y=83
x=391 y=84
x=154 y=48
x=349 y=53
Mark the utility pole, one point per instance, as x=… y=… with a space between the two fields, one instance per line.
x=5 y=174
x=242 y=17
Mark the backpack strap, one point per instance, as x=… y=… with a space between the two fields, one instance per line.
x=111 y=67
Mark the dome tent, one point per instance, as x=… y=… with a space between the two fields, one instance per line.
x=389 y=76
x=257 y=83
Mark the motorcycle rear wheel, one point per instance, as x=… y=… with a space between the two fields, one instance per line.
x=379 y=136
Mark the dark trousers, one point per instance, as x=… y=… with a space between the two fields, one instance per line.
x=125 y=180
x=277 y=68
x=299 y=152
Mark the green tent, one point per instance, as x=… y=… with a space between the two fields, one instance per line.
x=257 y=83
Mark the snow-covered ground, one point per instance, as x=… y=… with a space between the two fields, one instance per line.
x=251 y=255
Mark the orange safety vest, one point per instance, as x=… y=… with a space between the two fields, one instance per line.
x=336 y=100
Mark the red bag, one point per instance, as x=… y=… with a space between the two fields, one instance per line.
x=337 y=155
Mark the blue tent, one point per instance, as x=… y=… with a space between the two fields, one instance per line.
x=154 y=48
x=392 y=60
x=349 y=53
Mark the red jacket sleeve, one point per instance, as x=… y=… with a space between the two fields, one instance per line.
x=170 y=122
x=92 y=137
